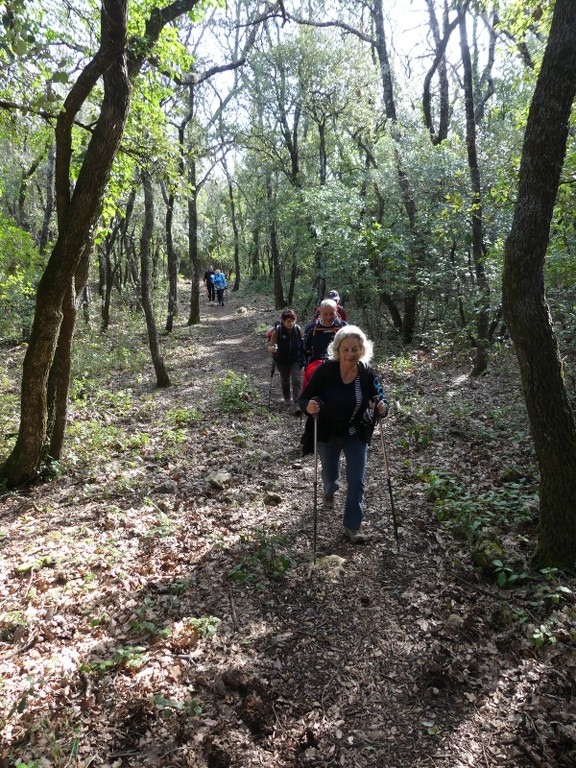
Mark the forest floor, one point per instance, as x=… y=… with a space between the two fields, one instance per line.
x=160 y=604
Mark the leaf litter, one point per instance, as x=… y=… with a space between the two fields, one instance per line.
x=160 y=607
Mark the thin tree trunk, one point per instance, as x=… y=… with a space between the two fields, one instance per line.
x=49 y=207
x=483 y=288
x=279 y=302
x=172 y=265
x=162 y=377
x=194 y=317
x=234 y=220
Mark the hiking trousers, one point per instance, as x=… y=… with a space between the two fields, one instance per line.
x=290 y=373
x=355 y=451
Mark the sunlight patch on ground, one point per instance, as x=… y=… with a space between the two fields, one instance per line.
x=231 y=342
x=456 y=383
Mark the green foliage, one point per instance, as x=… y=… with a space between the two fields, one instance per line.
x=182 y=416
x=467 y=513
x=416 y=436
x=205 y=627
x=506 y=576
x=20 y=269
x=264 y=559
x=170 y=707
x=544 y=633
x=126 y=657
x=236 y=393
x=552 y=592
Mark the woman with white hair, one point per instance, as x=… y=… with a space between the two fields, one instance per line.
x=341 y=394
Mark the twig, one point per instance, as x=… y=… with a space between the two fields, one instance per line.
x=233 y=607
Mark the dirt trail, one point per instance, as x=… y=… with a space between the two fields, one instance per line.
x=200 y=556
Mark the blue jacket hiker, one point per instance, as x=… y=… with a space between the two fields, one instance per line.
x=346 y=396
x=285 y=345
x=220 y=284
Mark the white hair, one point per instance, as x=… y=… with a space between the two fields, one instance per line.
x=344 y=333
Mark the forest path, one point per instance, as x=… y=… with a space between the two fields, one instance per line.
x=164 y=602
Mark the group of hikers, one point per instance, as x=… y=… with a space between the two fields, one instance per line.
x=325 y=373
x=326 y=369
x=215 y=282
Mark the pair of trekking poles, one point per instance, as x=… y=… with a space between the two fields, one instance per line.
x=386 y=472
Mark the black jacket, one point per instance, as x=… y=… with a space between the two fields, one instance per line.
x=289 y=342
x=330 y=421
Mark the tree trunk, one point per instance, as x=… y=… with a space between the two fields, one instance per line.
x=62 y=365
x=482 y=286
x=162 y=378
x=279 y=302
x=49 y=207
x=172 y=266
x=525 y=309
x=77 y=216
x=438 y=66
x=187 y=162
x=117 y=64
x=234 y=221
x=194 y=317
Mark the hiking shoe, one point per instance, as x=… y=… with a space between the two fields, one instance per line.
x=328 y=501
x=354 y=537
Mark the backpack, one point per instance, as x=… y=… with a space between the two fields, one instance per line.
x=277 y=327
x=309 y=370
x=270 y=331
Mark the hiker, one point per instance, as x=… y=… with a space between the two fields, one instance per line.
x=320 y=332
x=210 y=285
x=343 y=393
x=220 y=284
x=286 y=346
x=340 y=311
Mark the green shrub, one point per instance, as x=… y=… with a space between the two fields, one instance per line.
x=236 y=393
x=20 y=269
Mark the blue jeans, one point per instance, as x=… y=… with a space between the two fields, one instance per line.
x=355 y=450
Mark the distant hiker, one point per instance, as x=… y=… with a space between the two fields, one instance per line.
x=320 y=332
x=342 y=394
x=220 y=284
x=285 y=345
x=210 y=285
x=335 y=296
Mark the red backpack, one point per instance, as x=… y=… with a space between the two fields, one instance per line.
x=309 y=370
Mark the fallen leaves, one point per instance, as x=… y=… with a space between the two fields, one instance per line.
x=166 y=611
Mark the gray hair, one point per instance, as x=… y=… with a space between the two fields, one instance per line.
x=346 y=332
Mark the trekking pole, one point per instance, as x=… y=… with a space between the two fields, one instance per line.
x=315 y=509
x=271 y=379
x=387 y=473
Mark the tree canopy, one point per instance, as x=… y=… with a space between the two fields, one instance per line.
x=352 y=145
